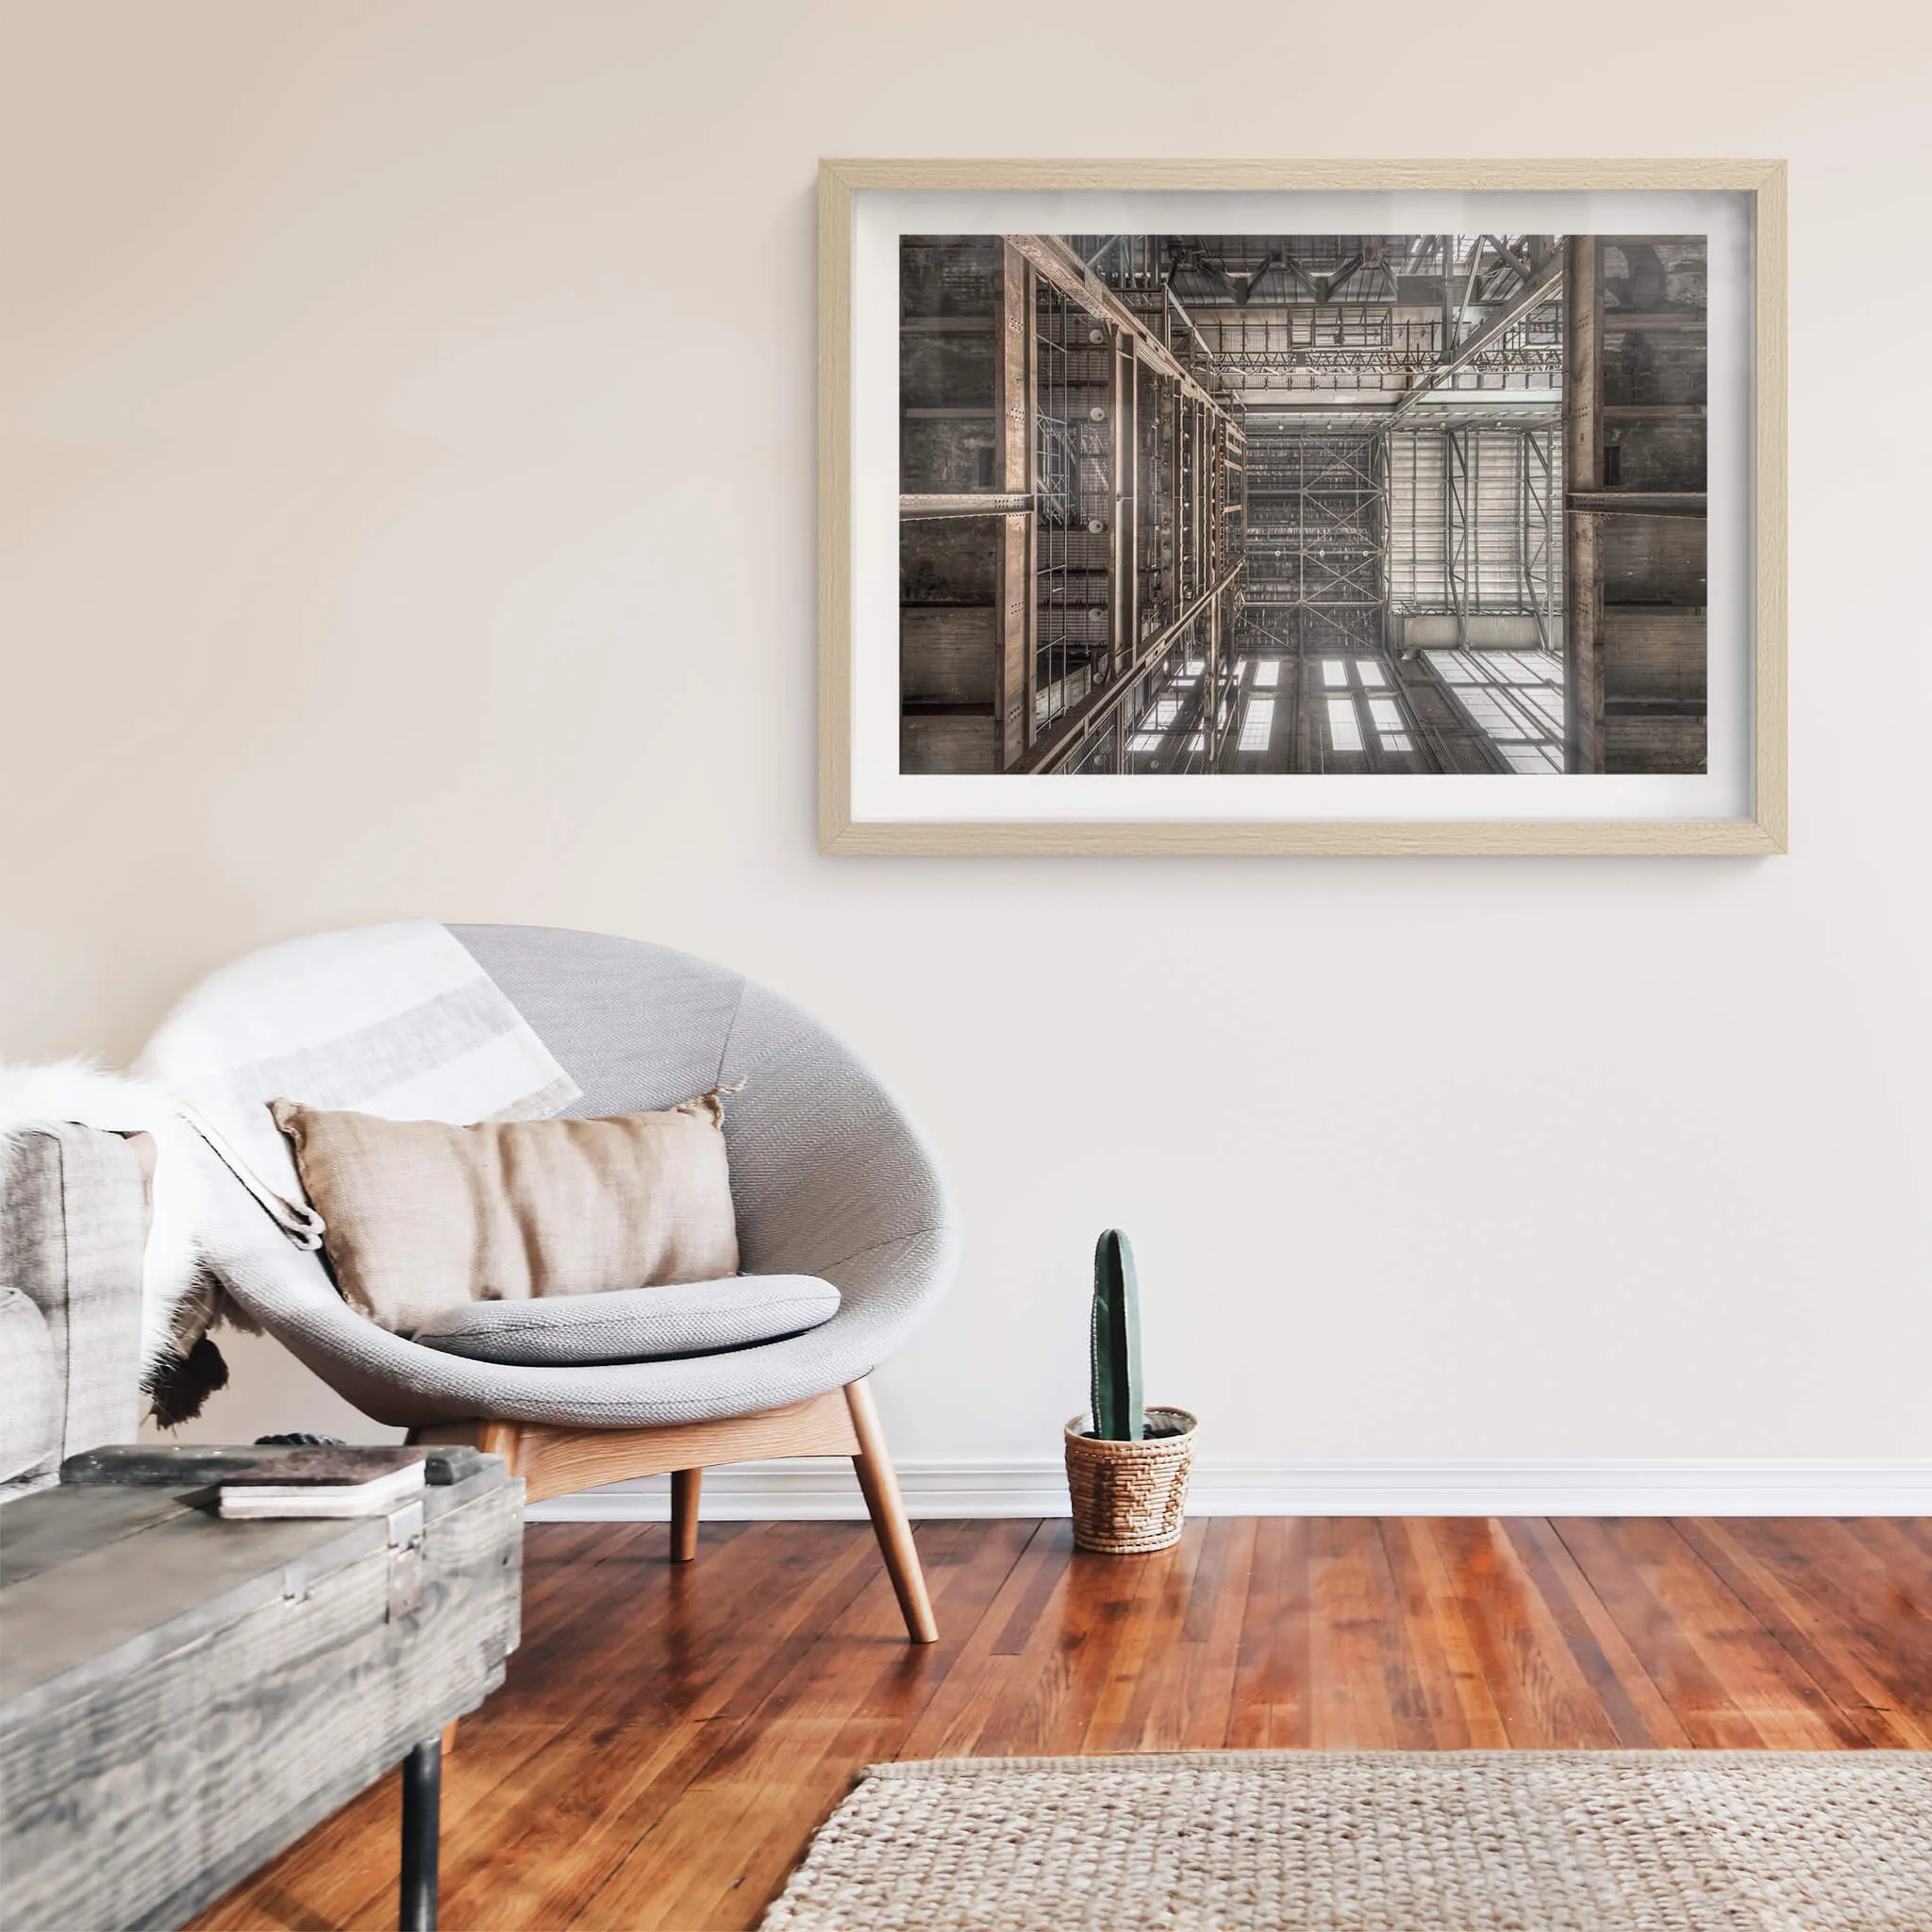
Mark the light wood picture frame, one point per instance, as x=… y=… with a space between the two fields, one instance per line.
x=968 y=702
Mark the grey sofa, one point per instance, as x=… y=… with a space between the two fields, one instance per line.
x=73 y=1222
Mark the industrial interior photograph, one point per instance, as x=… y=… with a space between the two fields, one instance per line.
x=679 y=1252
x=1191 y=505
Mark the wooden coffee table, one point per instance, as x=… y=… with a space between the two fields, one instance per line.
x=181 y=1698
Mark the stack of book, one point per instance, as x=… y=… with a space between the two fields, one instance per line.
x=335 y=1481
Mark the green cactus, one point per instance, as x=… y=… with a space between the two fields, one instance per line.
x=1118 y=1414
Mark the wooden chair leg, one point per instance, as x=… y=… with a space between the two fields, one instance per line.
x=685 y=1484
x=449 y=1736
x=501 y=1439
x=558 y=1461
x=888 y=1512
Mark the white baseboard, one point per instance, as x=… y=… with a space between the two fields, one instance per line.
x=822 y=1489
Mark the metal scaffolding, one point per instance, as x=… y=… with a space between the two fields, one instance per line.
x=1475 y=522
x=1316 y=537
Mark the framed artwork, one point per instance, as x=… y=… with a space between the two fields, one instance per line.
x=1302 y=506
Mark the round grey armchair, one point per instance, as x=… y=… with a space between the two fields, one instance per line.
x=828 y=1177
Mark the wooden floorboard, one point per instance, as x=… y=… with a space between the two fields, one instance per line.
x=671 y=1733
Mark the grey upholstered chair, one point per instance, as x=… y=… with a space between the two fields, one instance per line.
x=829 y=1179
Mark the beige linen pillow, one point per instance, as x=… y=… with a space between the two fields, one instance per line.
x=423 y=1217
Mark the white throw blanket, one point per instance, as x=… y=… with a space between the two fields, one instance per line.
x=397 y=1021
x=392 y=1020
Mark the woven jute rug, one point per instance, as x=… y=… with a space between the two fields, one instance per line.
x=1378 y=1841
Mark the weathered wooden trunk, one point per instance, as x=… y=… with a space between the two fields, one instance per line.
x=181 y=1697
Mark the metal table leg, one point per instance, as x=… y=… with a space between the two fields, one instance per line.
x=421 y=1832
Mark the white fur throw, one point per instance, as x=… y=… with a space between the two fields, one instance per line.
x=395 y=1020
x=185 y=1202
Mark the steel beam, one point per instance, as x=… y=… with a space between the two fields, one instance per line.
x=1547 y=285
x=983 y=504
x=1123 y=577
x=1583 y=455
x=1639 y=503
x=1456 y=528
x=1013 y=392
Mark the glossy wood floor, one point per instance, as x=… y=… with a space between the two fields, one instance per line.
x=669 y=1736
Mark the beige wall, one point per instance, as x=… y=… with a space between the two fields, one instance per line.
x=408 y=509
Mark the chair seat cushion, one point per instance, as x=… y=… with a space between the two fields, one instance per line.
x=634 y=1325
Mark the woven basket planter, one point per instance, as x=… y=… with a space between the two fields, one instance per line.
x=1129 y=1497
